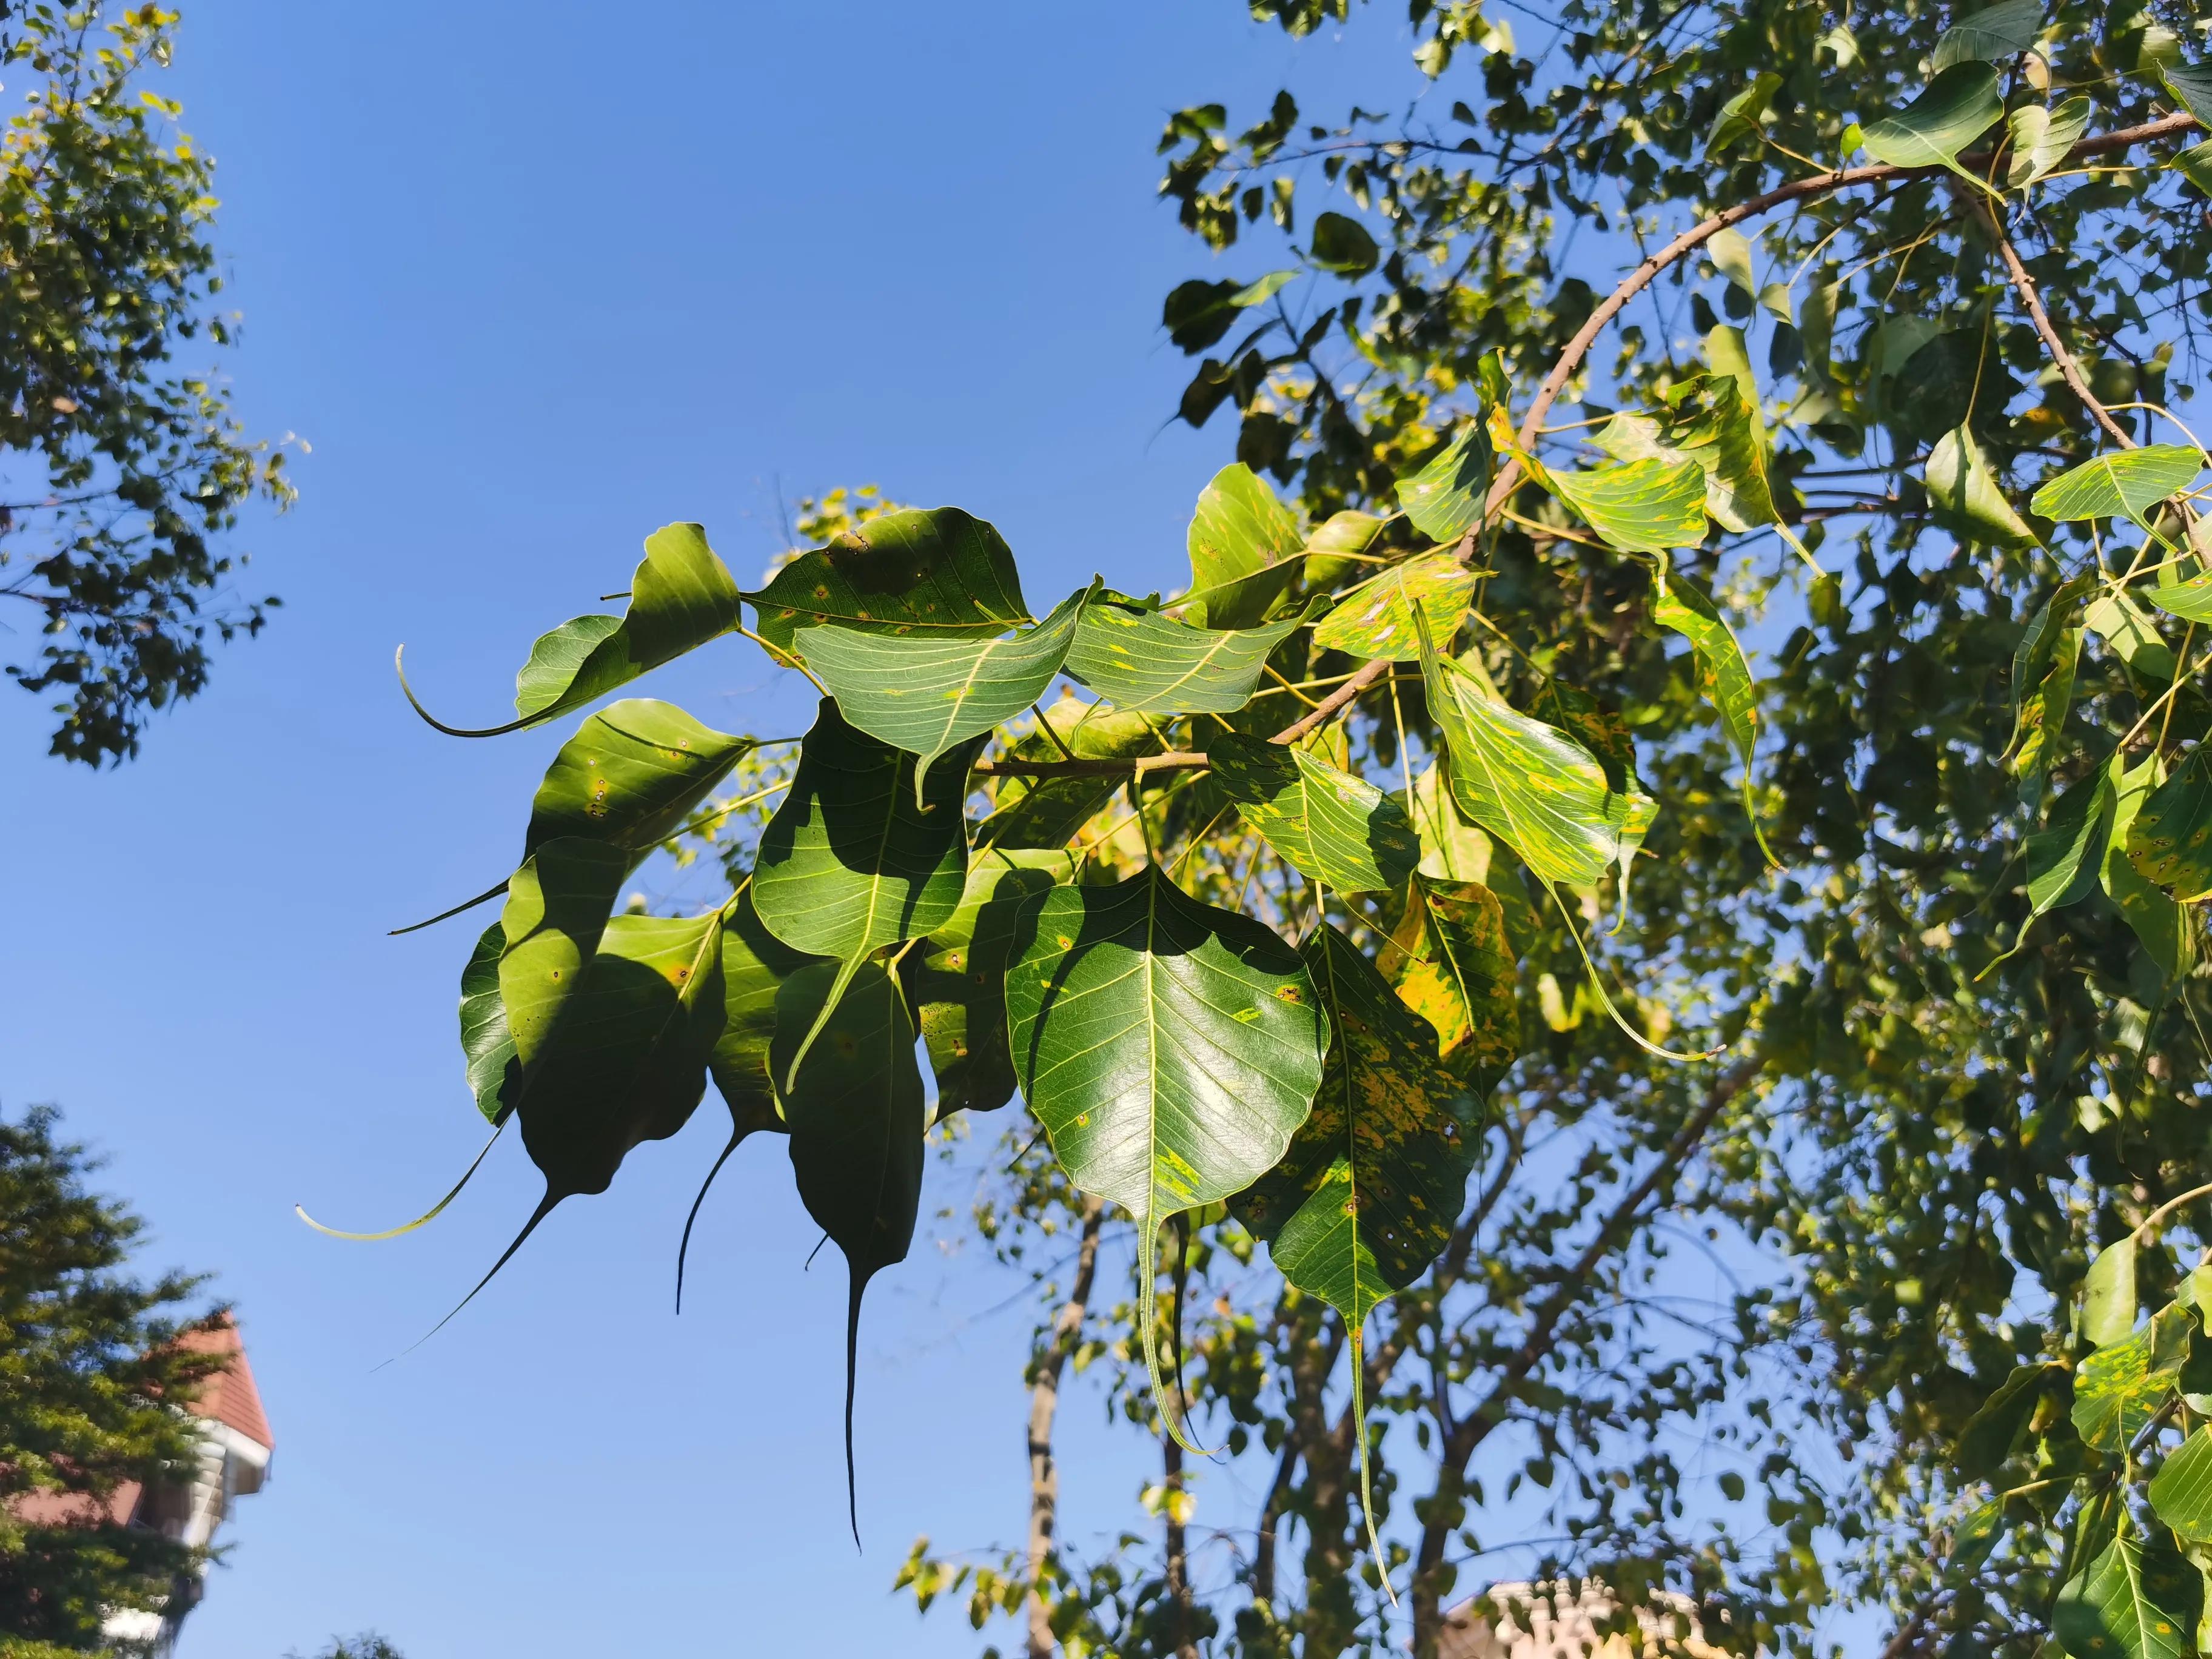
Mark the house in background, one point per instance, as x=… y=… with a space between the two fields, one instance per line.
x=1537 y=1621
x=233 y=1461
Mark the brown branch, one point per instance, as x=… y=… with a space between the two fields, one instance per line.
x=1044 y=1401
x=1474 y=1427
x=2069 y=370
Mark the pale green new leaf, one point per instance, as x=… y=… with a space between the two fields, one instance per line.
x=1376 y=619
x=1170 y=1051
x=1537 y=789
x=2108 y=1294
x=2042 y=138
x=1964 y=497
x=1145 y=663
x=2170 y=842
x=936 y=572
x=1329 y=550
x=2130 y=633
x=1723 y=676
x=1645 y=507
x=2125 y=483
x=1731 y=251
x=1992 y=35
x=930 y=694
x=1445 y=499
x=1960 y=104
x=1340 y=830
x=2181 y=1491
x=2105 y=1612
x=1743 y=114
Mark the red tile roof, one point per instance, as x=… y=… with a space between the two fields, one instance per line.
x=228 y=1395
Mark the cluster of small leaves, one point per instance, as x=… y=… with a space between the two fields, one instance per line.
x=122 y=471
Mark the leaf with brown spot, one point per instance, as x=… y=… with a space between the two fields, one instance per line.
x=1453 y=966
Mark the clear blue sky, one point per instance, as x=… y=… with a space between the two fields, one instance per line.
x=533 y=280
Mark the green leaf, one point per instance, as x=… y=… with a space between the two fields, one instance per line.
x=1170 y=1050
x=680 y=596
x=2181 y=1491
x=2108 y=1294
x=1992 y=35
x=1723 y=676
x=2195 y=164
x=1743 y=114
x=2043 y=667
x=1715 y=422
x=1731 y=252
x=1645 y=507
x=2166 y=928
x=1964 y=497
x=2124 y=484
x=1199 y=312
x=755 y=964
x=1996 y=1428
x=857 y=1119
x=930 y=696
x=2105 y=1612
x=1329 y=550
x=1343 y=246
x=1047 y=811
x=2065 y=857
x=1338 y=829
x=1444 y=500
x=936 y=572
x=1376 y=619
x=2130 y=633
x=2190 y=600
x=486 y=1044
x=1145 y=663
x=2191 y=84
x=851 y=863
x=1976 y=1535
x=2120 y=1388
x=1537 y=789
x=957 y=980
x=2042 y=138
x=2170 y=842
x=1960 y=104
x=557 y=907
x=1453 y=964
x=635 y=773
x=1245 y=548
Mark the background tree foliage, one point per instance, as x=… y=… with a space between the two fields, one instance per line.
x=90 y=1387
x=119 y=469
x=1897 y=1027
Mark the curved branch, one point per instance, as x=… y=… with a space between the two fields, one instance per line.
x=2069 y=369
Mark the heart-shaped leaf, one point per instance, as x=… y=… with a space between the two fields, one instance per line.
x=1723 y=676
x=635 y=773
x=2108 y=1610
x=1343 y=246
x=1047 y=811
x=1743 y=114
x=957 y=978
x=2108 y=1294
x=937 y=571
x=1376 y=619
x=1643 y=507
x=1537 y=789
x=2126 y=483
x=1453 y=964
x=1959 y=105
x=2181 y=1491
x=2170 y=841
x=2164 y=926
x=1144 y=663
x=1331 y=549
x=2065 y=857
x=1169 y=1049
x=1731 y=252
x=1445 y=499
x=857 y=1119
x=929 y=694
x=850 y=863
x=1245 y=548
x=1715 y=422
x=1990 y=35
x=1964 y=497
x=1340 y=830
x=2130 y=634
x=557 y=907
x=1199 y=312
x=2042 y=138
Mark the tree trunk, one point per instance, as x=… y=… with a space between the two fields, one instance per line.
x=1044 y=1401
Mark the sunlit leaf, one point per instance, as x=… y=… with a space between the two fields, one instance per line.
x=1643 y=507
x=1453 y=964
x=1731 y=252
x=857 y=1118
x=2105 y=1612
x=2181 y=1491
x=2108 y=1294
x=1145 y=663
x=1343 y=246
x=1714 y=420
x=929 y=695
x=2126 y=483
x=1199 y=312
x=2066 y=856
x=2119 y=1389
x=1723 y=676
x=1530 y=784
x=2130 y=634
x=2190 y=600
x=1046 y=812
x=1992 y=35
x=935 y=571
x=1338 y=829
x=2164 y=927
x=2042 y=138
x=1376 y=619
x=487 y=1046
x=1330 y=549
x=1743 y=114
x=1959 y=105
x=2195 y=164
x=1445 y=499
x=1964 y=497
x=1169 y=1049
x=2170 y=841
x=633 y=774
x=1245 y=548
